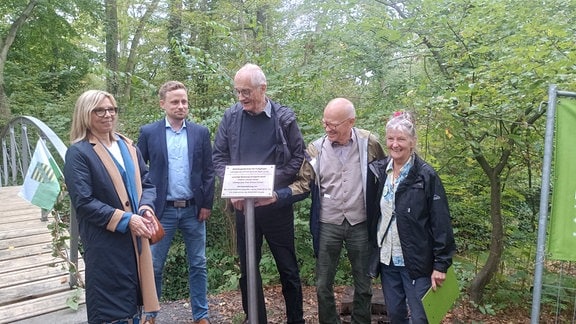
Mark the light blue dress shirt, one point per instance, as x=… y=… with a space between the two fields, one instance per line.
x=178 y=164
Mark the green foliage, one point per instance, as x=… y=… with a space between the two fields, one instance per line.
x=238 y=318
x=558 y=291
x=73 y=302
x=223 y=270
x=59 y=229
x=175 y=278
x=303 y=241
x=45 y=55
x=222 y=259
x=511 y=286
x=485 y=309
x=268 y=270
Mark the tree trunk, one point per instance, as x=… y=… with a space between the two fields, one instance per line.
x=176 y=63
x=131 y=62
x=4 y=107
x=112 y=46
x=476 y=289
x=5 y=45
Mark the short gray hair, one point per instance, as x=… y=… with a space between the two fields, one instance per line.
x=257 y=76
x=402 y=121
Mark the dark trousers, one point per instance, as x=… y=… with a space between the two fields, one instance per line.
x=277 y=227
x=332 y=239
x=402 y=293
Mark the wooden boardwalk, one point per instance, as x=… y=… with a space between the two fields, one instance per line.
x=34 y=285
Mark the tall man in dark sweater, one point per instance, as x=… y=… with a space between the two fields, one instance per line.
x=257 y=130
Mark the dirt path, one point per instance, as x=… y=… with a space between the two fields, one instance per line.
x=226 y=308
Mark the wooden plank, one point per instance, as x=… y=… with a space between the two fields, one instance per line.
x=23 y=215
x=29 y=262
x=12 y=190
x=24 y=224
x=31 y=308
x=64 y=316
x=10 y=194
x=14 y=206
x=17 y=203
x=21 y=252
x=20 y=215
x=20 y=210
x=25 y=241
x=4 y=235
x=23 y=228
x=34 y=285
x=39 y=273
x=35 y=289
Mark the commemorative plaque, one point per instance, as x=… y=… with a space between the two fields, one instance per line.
x=248 y=181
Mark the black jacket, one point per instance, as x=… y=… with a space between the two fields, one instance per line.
x=289 y=143
x=422 y=217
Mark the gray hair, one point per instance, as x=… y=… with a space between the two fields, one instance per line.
x=402 y=121
x=257 y=76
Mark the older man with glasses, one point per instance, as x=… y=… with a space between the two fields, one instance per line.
x=259 y=131
x=335 y=173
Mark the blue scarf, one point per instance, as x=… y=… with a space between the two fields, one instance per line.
x=127 y=174
x=128 y=177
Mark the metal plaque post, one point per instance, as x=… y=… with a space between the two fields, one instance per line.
x=249 y=182
x=251 y=266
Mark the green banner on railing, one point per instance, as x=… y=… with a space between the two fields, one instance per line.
x=562 y=237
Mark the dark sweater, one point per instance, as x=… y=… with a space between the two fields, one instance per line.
x=257 y=143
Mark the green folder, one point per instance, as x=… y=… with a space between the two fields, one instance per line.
x=438 y=303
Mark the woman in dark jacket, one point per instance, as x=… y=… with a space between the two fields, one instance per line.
x=109 y=190
x=409 y=223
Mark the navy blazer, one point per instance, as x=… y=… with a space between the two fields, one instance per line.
x=152 y=144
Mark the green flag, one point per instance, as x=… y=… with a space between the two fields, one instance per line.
x=562 y=237
x=41 y=186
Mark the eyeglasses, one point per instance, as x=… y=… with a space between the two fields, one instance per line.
x=333 y=126
x=246 y=93
x=101 y=111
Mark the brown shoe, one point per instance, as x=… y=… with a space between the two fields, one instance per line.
x=150 y=320
x=202 y=321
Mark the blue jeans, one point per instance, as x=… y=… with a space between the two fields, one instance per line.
x=400 y=289
x=194 y=234
x=332 y=238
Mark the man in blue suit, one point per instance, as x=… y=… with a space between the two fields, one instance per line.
x=179 y=155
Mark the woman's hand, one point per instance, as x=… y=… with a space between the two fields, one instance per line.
x=141 y=226
x=437 y=279
x=153 y=224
